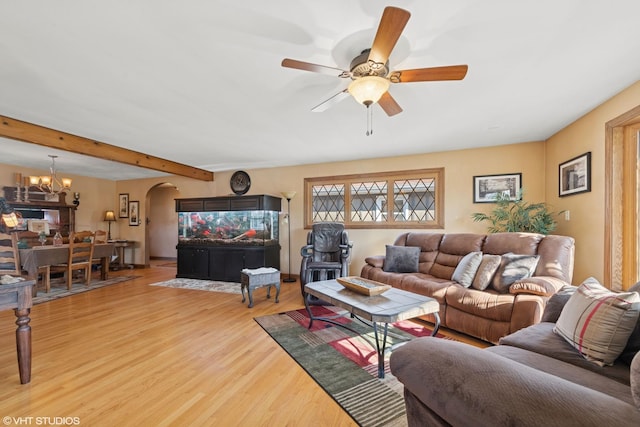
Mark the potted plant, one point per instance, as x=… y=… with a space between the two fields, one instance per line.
x=517 y=215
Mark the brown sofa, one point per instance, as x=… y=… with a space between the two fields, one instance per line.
x=487 y=314
x=534 y=377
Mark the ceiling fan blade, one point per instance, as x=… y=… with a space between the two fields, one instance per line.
x=325 y=105
x=391 y=25
x=452 y=72
x=389 y=105
x=307 y=66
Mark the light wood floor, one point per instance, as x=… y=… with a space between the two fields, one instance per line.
x=132 y=354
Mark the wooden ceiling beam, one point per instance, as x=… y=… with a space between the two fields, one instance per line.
x=35 y=134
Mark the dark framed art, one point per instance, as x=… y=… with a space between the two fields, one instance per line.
x=487 y=187
x=134 y=212
x=123 y=205
x=574 y=176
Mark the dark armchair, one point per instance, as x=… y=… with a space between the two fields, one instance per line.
x=326 y=254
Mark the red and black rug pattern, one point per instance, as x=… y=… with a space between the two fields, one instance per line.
x=344 y=362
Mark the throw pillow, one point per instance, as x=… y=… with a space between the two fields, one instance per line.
x=513 y=268
x=543 y=286
x=467 y=268
x=598 y=322
x=556 y=303
x=487 y=269
x=401 y=259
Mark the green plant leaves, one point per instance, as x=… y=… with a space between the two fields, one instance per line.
x=518 y=216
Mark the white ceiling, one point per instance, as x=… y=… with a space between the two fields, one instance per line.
x=199 y=81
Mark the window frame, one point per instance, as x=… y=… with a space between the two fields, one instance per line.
x=436 y=174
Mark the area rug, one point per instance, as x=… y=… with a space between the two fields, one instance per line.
x=344 y=363
x=59 y=290
x=202 y=285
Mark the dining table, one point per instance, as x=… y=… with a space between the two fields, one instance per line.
x=40 y=256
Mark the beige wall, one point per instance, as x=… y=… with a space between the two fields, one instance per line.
x=586 y=209
x=538 y=162
x=460 y=167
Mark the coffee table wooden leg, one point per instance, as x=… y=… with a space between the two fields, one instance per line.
x=23 y=344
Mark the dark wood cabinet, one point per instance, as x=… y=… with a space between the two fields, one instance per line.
x=37 y=204
x=193 y=263
x=204 y=254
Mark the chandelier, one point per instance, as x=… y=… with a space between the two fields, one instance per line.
x=50 y=183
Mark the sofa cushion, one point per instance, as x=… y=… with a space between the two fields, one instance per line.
x=452 y=248
x=540 y=338
x=564 y=370
x=599 y=322
x=401 y=259
x=489 y=304
x=517 y=243
x=513 y=267
x=486 y=270
x=467 y=268
x=635 y=379
x=428 y=244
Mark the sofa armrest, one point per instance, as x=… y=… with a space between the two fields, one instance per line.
x=538 y=285
x=375 y=260
x=463 y=384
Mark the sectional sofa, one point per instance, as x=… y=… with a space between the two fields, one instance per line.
x=538 y=376
x=488 y=286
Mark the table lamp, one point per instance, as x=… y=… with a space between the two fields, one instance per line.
x=110 y=217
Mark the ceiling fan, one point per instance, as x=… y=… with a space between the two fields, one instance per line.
x=370 y=73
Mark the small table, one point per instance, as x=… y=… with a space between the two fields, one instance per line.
x=257 y=278
x=19 y=297
x=391 y=306
x=120 y=246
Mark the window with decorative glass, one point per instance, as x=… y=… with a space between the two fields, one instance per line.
x=404 y=199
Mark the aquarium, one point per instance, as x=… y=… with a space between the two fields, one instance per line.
x=231 y=221
x=229 y=227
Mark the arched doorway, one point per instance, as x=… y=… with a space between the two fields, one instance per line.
x=161 y=231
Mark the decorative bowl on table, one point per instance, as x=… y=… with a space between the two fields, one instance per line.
x=362 y=285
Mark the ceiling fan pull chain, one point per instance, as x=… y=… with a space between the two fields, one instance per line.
x=369 y=120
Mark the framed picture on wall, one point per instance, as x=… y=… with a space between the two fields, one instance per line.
x=575 y=175
x=487 y=187
x=134 y=212
x=123 y=205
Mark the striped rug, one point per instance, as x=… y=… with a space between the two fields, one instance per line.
x=344 y=363
x=59 y=288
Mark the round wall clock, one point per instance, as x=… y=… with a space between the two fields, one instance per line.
x=240 y=182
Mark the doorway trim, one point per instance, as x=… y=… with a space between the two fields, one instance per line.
x=620 y=212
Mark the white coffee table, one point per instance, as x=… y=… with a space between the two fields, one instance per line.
x=391 y=306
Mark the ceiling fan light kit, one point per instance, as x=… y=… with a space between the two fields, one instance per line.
x=370 y=70
x=369 y=89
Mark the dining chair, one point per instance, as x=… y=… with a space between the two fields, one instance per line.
x=80 y=257
x=9 y=256
x=79 y=236
x=30 y=239
x=100 y=236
